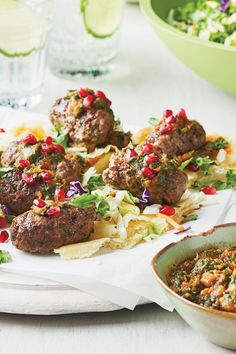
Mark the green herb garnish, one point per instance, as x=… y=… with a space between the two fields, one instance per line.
x=191 y=217
x=5 y=257
x=204 y=163
x=60 y=135
x=4 y=171
x=219 y=185
x=185 y=164
x=86 y=201
x=220 y=143
x=95 y=182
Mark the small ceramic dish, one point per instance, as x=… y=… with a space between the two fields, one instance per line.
x=218 y=326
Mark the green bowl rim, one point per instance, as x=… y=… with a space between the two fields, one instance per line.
x=183 y=300
x=147 y=9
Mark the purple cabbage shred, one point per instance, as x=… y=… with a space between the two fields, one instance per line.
x=6 y=209
x=224 y=4
x=180 y=232
x=76 y=188
x=144 y=200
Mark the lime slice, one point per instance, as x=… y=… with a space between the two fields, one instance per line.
x=21 y=32
x=102 y=17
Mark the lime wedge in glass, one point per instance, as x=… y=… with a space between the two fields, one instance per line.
x=21 y=32
x=102 y=17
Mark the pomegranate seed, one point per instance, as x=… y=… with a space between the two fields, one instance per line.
x=130 y=153
x=2 y=130
x=100 y=94
x=88 y=101
x=167 y=210
x=3 y=222
x=29 y=139
x=24 y=163
x=48 y=140
x=167 y=113
x=170 y=120
x=83 y=92
x=148 y=149
x=59 y=148
x=208 y=190
x=53 y=210
x=46 y=149
x=60 y=196
x=4 y=236
x=28 y=179
x=46 y=176
x=148 y=173
x=192 y=167
x=151 y=159
x=40 y=203
x=182 y=114
x=166 y=129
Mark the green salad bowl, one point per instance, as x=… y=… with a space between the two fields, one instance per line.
x=217 y=326
x=214 y=62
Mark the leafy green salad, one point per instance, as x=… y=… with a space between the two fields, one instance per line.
x=208 y=20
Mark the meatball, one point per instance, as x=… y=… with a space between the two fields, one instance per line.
x=18 y=150
x=88 y=119
x=35 y=233
x=164 y=182
x=178 y=137
x=17 y=194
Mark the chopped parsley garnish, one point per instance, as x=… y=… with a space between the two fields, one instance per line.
x=117 y=124
x=95 y=182
x=5 y=257
x=204 y=163
x=219 y=185
x=220 y=143
x=191 y=217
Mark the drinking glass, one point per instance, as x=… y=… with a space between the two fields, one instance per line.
x=85 y=35
x=24 y=27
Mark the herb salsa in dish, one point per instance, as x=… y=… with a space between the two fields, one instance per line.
x=208 y=279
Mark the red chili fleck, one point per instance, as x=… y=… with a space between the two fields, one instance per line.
x=165 y=129
x=46 y=176
x=3 y=222
x=59 y=148
x=2 y=130
x=53 y=210
x=24 y=163
x=29 y=139
x=151 y=159
x=4 y=236
x=182 y=114
x=83 y=92
x=40 y=203
x=192 y=167
x=167 y=210
x=60 y=196
x=148 y=149
x=208 y=190
x=88 y=101
x=167 y=113
x=130 y=153
x=48 y=140
x=148 y=173
x=28 y=179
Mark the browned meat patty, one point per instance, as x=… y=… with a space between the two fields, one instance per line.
x=167 y=185
x=17 y=194
x=88 y=125
x=42 y=233
x=176 y=135
x=120 y=139
x=17 y=150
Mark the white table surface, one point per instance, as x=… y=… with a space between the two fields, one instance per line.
x=147 y=80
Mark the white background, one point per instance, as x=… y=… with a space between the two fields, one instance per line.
x=147 y=80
